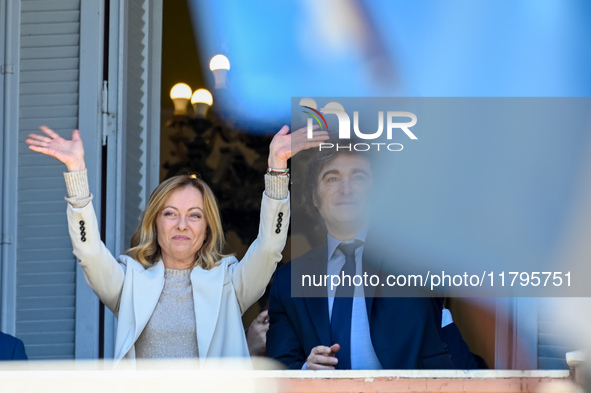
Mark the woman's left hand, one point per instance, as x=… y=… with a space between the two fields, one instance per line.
x=285 y=145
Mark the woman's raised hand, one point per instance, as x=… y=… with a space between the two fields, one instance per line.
x=286 y=145
x=70 y=152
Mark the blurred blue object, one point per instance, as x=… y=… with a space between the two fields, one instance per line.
x=490 y=185
x=353 y=48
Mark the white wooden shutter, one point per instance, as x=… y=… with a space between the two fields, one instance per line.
x=50 y=53
x=46 y=270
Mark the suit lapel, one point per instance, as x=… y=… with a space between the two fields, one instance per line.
x=318 y=311
x=317 y=307
x=207 y=297
x=147 y=288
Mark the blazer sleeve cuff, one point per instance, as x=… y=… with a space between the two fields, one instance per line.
x=77 y=188
x=276 y=187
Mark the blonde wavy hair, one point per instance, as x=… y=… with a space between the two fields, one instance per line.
x=144 y=246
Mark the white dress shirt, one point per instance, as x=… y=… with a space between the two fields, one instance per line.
x=363 y=356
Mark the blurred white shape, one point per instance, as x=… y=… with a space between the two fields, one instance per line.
x=334 y=106
x=309 y=102
x=337 y=27
x=219 y=62
x=143 y=375
x=575 y=252
x=219 y=65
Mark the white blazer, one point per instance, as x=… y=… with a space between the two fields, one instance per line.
x=220 y=295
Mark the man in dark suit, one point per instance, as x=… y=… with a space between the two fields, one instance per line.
x=11 y=348
x=353 y=327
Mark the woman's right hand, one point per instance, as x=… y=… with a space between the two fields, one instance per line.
x=70 y=152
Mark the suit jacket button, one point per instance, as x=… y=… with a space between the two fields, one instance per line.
x=82 y=233
x=278 y=225
x=83 y=239
x=280 y=214
x=277 y=230
x=81 y=222
x=279 y=219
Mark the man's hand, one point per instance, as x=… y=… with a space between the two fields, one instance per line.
x=323 y=358
x=256 y=337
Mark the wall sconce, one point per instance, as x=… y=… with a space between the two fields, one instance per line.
x=182 y=139
x=219 y=65
x=201 y=100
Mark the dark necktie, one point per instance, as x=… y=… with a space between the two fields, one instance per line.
x=342 y=308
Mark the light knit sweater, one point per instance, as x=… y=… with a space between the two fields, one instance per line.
x=171 y=331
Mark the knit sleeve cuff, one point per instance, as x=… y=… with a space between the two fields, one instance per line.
x=276 y=187
x=77 y=188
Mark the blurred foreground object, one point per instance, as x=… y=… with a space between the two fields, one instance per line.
x=577 y=362
x=235 y=376
x=170 y=375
